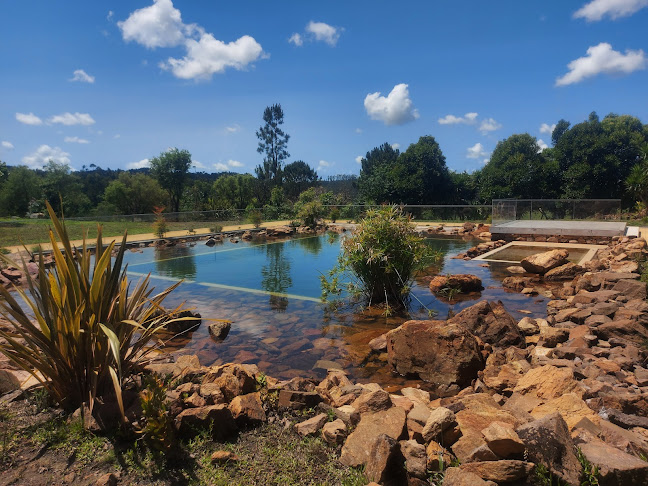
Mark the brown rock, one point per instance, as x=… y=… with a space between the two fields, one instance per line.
x=439 y=420
x=219 y=330
x=632 y=289
x=564 y=272
x=8 y=382
x=502 y=439
x=455 y=476
x=543 y=262
x=372 y=402
x=416 y=419
x=491 y=323
x=437 y=457
x=379 y=344
x=248 y=408
x=334 y=432
x=464 y=283
x=505 y=471
x=570 y=406
x=615 y=467
x=192 y=420
x=548 y=382
x=415 y=458
x=223 y=457
x=108 y=479
x=296 y=400
x=311 y=426
x=385 y=463
x=439 y=352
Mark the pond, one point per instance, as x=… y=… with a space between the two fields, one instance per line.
x=271 y=293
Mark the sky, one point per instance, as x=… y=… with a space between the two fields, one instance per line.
x=114 y=83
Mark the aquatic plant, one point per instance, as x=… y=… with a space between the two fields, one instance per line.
x=381 y=258
x=82 y=330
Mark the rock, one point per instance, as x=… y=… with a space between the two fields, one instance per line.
x=626 y=420
x=502 y=439
x=439 y=352
x=543 y=262
x=295 y=400
x=372 y=402
x=439 y=420
x=385 y=463
x=311 y=426
x=548 y=442
x=210 y=242
x=357 y=447
x=455 y=476
x=219 y=330
x=334 y=432
x=564 y=272
x=223 y=457
x=570 y=406
x=8 y=382
x=417 y=417
x=550 y=337
x=615 y=467
x=548 y=382
x=233 y=379
x=108 y=479
x=415 y=458
x=528 y=326
x=490 y=322
x=416 y=395
x=464 y=283
x=379 y=344
x=515 y=269
x=183 y=322
x=505 y=471
x=437 y=456
x=624 y=330
x=632 y=289
x=248 y=408
x=192 y=420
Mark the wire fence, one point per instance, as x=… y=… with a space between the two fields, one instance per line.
x=507 y=210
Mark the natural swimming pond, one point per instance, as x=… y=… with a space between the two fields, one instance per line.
x=271 y=293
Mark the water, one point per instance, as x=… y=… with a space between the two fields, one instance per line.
x=271 y=293
x=517 y=253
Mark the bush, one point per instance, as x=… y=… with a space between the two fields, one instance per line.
x=334 y=215
x=382 y=257
x=255 y=217
x=310 y=213
x=160 y=226
x=82 y=330
x=216 y=228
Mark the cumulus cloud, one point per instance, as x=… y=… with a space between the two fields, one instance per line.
x=323 y=165
x=81 y=76
x=476 y=151
x=233 y=128
x=597 y=9
x=542 y=145
x=324 y=32
x=7 y=145
x=198 y=165
x=296 y=39
x=395 y=146
x=161 y=25
x=142 y=164
x=358 y=130
x=110 y=15
x=603 y=59
x=72 y=119
x=467 y=119
x=359 y=158
x=489 y=125
x=234 y=163
x=116 y=136
x=394 y=109
x=546 y=128
x=44 y=154
x=28 y=119
x=75 y=140
x=219 y=166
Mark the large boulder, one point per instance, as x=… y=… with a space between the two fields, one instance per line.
x=564 y=272
x=438 y=352
x=615 y=467
x=464 y=283
x=543 y=262
x=491 y=323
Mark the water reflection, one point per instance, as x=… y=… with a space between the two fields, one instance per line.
x=178 y=262
x=312 y=245
x=275 y=276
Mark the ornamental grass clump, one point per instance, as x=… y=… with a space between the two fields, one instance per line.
x=381 y=258
x=82 y=331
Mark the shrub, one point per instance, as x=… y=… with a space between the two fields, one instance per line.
x=82 y=330
x=335 y=214
x=310 y=213
x=160 y=226
x=216 y=228
x=382 y=257
x=255 y=217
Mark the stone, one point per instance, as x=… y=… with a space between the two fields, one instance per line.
x=548 y=382
x=108 y=479
x=528 y=326
x=8 y=382
x=233 y=379
x=455 y=476
x=223 y=457
x=192 y=420
x=543 y=262
x=248 y=408
x=632 y=289
x=385 y=462
x=505 y=471
x=626 y=420
x=615 y=467
x=419 y=396
x=439 y=420
x=334 y=432
x=504 y=378
x=571 y=407
x=219 y=330
x=379 y=344
x=464 y=283
x=311 y=426
x=564 y=272
x=550 y=337
x=437 y=456
x=417 y=417
x=491 y=323
x=502 y=439
x=624 y=329
x=438 y=352
x=372 y=402
x=515 y=269
x=415 y=458
x=547 y=441
x=357 y=447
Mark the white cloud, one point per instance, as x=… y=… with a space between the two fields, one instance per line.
x=359 y=158
x=358 y=130
x=75 y=140
x=7 y=145
x=486 y=161
x=603 y=59
x=489 y=125
x=542 y=145
x=395 y=146
x=324 y=32
x=233 y=128
x=116 y=136
x=83 y=77
x=159 y=25
x=28 y=119
x=142 y=164
x=597 y=9
x=44 y=154
x=476 y=151
x=110 y=15
x=72 y=119
x=198 y=165
x=209 y=55
x=296 y=39
x=234 y=163
x=219 y=166
x=323 y=164
x=546 y=128
x=395 y=109
x=467 y=119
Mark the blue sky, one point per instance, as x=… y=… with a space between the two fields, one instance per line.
x=115 y=83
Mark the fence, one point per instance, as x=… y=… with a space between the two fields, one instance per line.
x=507 y=210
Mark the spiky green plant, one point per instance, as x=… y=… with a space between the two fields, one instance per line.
x=81 y=330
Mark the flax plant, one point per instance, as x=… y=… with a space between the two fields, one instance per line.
x=82 y=331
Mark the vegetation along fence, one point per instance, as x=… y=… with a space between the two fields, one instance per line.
x=507 y=210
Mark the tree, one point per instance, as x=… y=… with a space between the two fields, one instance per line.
x=134 y=193
x=374 y=181
x=61 y=185
x=171 y=169
x=561 y=127
x=272 y=142
x=298 y=176
x=23 y=185
x=233 y=191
